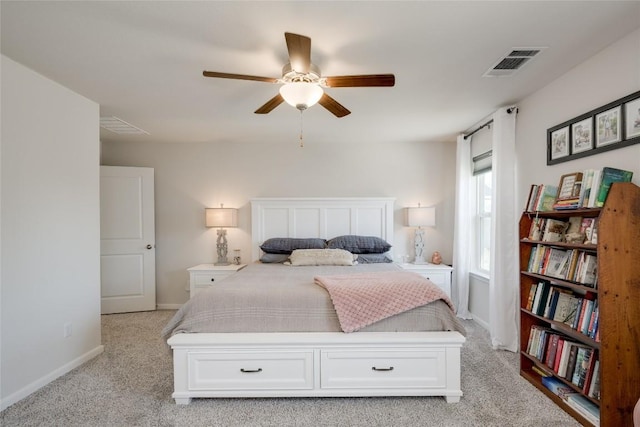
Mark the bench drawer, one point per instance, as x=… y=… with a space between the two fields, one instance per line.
x=250 y=370
x=383 y=368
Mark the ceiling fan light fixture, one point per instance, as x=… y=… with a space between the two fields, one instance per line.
x=301 y=95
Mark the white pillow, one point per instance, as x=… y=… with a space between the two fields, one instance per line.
x=321 y=257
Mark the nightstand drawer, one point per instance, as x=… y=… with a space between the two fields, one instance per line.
x=204 y=276
x=208 y=279
x=438 y=279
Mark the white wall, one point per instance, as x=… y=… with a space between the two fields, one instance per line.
x=190 y=177
x=50 y=225
x=607 y=76
x=611 y=74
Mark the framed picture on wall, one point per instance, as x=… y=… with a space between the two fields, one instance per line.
x=608 y=127
x=560 y=143
x=632 y=118
x=582 y=136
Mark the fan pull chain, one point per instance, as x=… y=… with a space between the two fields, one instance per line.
x=301 y=140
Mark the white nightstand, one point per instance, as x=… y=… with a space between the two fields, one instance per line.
x=205 y=275
x=439 y=274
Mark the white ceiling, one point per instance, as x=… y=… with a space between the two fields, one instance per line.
x=143 y=61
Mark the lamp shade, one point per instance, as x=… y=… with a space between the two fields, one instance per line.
x=221 y=217
x=421 y=217
x=301 y=95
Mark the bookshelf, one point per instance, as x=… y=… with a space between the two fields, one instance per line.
x=615 y=299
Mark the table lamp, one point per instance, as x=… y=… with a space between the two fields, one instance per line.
x=220 y=218
x=420 y=217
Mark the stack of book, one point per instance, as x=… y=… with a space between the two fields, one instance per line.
x=581 y=404
x=541 y=198
x=573 y=265
x=572 y=361
x=556 y=230
x=580 y=312
x=589 y=189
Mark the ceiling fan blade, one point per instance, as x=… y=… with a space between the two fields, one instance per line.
x=299 y=52
x=333 y=106
x=362 y=80
x=270 y=105
x=239 y=77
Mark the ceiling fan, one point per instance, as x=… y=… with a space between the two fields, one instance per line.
x=302 y=83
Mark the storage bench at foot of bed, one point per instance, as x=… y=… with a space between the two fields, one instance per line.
x=316 y=364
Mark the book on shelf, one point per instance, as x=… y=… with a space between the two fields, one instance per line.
x=557 y=387
x=554 y=230
x=584 y=407
x=583 y=358
x=532 y=294
x=586 y=189
x=541 y=198
x=609 y=176
x=586 y=382
x=557 y=262
x=594 y=385
x=566 y=308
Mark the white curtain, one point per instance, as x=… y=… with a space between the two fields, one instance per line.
x=461 y=229
x=503 y=287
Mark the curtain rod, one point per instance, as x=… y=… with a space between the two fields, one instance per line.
x=479 y=128
x=509 y=111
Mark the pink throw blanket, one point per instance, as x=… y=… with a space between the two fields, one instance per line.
x=361 y=299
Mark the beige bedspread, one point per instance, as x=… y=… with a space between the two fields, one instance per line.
x=280 y=298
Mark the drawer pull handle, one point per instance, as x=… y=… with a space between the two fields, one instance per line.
x=248 y=371
x=390 y=368
x=213 y=279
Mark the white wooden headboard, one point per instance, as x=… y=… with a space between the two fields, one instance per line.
x=319 y=217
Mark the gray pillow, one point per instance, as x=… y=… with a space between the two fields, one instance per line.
x=274 y=258
x=286 y=245
x=373 y=258
x=359 y=244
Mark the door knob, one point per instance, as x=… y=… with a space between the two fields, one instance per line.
x=149 y=246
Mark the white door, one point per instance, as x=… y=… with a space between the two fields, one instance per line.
x=127 y=239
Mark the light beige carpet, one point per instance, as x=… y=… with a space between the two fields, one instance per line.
x=130 y=384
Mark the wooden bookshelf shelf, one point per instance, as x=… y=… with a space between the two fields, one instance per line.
x=616 y=294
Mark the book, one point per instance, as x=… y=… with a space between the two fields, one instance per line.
x=557 y=387
x=566 y=308
x=551 y=354
x=587 y=381
x=595 y=185
x=609 y=176
x=557 y=262
x=594 y=387
x=546 y=198
x=535 y=231
x=584 y=407
x=583 y=358
x=532 y=294
x=585 y=190
x=571 y=361
x=564 y=358
x=554 y=230
x=588 y=274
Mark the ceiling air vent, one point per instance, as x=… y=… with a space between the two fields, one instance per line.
x=512 y=61
x=117 y=125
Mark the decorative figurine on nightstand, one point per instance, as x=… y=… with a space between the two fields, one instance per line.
x=436 y=258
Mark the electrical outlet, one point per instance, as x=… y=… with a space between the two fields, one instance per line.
x=67 y=330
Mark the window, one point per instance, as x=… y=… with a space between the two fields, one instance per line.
x=482 y=223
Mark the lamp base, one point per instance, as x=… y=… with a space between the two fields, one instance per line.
x=221 y=248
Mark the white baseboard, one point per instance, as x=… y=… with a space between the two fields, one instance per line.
x=168 y=306
x=480 y=322
x=43 y=381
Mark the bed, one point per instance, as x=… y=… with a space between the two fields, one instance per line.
x=300 y=349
